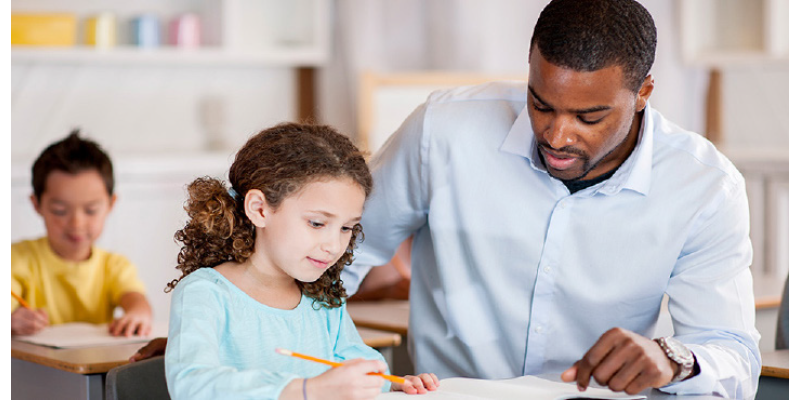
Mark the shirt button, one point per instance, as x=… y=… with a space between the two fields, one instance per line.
x=547 y=269
x=538 y=329
x=562 y=205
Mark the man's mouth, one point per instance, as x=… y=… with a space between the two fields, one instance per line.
x=558 y=161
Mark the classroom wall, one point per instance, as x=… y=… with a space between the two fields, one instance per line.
x=158 y=121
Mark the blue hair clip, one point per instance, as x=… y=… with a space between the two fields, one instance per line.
x=233 y=194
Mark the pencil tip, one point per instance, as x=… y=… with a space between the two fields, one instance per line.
x=283 y=351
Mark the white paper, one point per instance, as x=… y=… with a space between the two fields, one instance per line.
x=81 y=334
x=525 y=387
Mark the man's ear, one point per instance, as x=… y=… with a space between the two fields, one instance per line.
x=256 y=208
x=644 y=92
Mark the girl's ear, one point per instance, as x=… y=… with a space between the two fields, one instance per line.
x=256 y=208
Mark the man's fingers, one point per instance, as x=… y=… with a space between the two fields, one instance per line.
x=587 y=365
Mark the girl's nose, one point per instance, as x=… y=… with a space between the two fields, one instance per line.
x=331 y=244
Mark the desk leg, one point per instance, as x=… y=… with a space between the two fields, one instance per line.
x=771 y=388
x=33 y=381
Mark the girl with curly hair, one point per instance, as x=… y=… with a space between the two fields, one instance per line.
x=260 y=266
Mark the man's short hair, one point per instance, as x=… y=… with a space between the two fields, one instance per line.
x=589 y=35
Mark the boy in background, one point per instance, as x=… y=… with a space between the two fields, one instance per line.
x=63 y=276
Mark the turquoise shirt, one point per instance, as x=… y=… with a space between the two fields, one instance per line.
x=222 y=342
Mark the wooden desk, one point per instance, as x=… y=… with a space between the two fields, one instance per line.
x=774 y=380
x=775 y=364
x=379 y=339
x=386 y=315
x=39 y=372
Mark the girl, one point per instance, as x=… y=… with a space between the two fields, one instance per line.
x=260 y=267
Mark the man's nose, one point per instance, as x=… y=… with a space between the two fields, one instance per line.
x=561 y=132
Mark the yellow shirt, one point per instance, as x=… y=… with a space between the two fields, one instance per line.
x=86 y=291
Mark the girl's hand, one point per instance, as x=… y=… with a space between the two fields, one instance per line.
x=153 y=348
x=350 y=381
x=419 y=384
x=28 y=322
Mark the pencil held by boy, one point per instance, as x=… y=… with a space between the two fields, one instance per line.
x=260 y=266
x=63 y=277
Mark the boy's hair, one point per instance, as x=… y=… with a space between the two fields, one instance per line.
x=277 y=161
x=72 y=155
x=588 y=35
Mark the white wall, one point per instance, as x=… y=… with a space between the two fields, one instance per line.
x=151 y=114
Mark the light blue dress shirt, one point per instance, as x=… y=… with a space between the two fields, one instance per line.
x=512 y=275
x=222 y=342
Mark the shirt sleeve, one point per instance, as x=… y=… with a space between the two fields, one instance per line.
x=193 y=365
x=349 y=345
x=396 y=208
x=122 y=278
x=20 y=276
x=712 y=303
x=17 y=274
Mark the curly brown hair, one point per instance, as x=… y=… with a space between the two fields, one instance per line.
x=277 y=161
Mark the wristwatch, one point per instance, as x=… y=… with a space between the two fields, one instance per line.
x=679 y=353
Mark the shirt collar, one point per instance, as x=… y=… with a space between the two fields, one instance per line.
x=633 y=174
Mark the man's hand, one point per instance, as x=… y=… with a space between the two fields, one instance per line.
x=623 y=361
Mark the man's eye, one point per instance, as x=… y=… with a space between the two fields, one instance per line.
x=315 y=224
x=59 y=212
x=589 y=121
x=541 y=109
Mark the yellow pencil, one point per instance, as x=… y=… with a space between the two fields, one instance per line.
x=392 y=378
x=21 y=300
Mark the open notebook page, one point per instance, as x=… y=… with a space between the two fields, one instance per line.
x=525 y=387
x=82 y=334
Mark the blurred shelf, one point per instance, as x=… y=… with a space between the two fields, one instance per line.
x=731 y=33
x=166 y=56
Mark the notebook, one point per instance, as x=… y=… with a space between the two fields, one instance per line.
x=524 y=387
x=81 y=334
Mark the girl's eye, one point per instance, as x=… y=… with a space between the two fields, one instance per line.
x=346 y=229
x=315 y=224
x=91 y=212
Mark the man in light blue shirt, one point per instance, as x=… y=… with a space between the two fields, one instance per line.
x=550 y=219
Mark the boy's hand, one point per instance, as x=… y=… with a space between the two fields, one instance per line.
x=132 y=323
x=27 y=322
x=418 y=384
x=137 y=319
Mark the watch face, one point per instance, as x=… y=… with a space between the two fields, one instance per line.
x=681 y=353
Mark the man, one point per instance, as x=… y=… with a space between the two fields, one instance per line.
x=550 y=220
